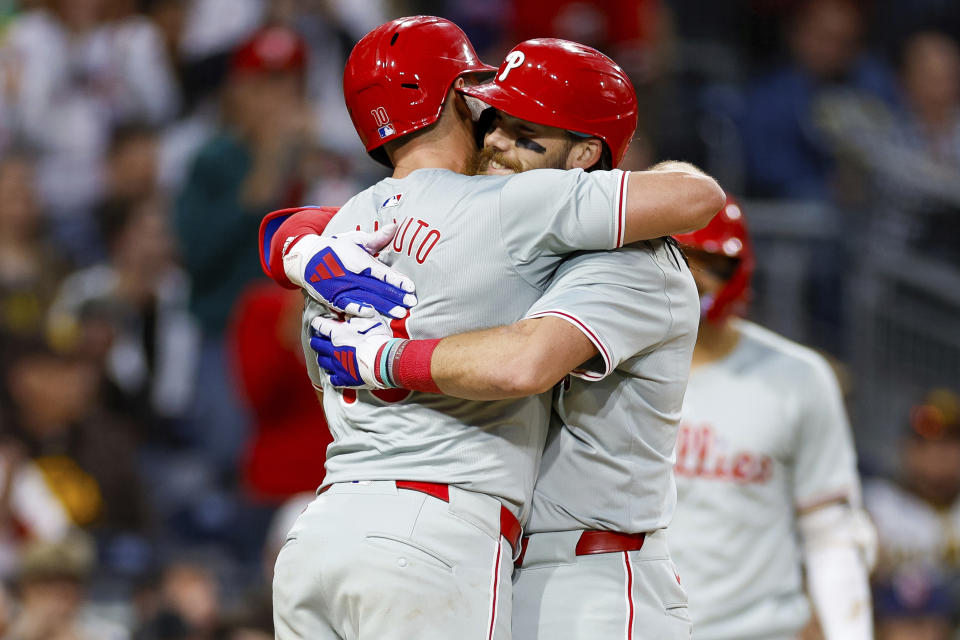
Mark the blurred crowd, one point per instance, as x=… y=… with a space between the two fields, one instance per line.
x=157 y=430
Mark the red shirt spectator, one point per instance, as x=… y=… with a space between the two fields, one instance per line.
x=288 y=448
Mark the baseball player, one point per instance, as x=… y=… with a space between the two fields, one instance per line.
x=413 y=532
x=766 y=470
x=596 y=564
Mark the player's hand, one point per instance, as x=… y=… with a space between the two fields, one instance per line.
x=341 y=272
x=351 y=352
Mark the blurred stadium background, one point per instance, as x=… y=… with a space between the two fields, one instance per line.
x=157 y=431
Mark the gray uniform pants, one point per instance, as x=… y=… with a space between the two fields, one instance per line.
x=368 y=561
x=634 y=595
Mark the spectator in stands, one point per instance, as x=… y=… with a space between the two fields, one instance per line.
x=930 y=74
x=211 y=31
x=137 y=302
x=286 y=453
x=930 y=130
x=86 y=455
x=169 y=16
x=29 y=511
x=913 y=605
x=29 y=269
x=148 y=89
x=130 y=167
x=927 y=496
x=189 y=607
x=52 y=598
x=244 y=171
x=786 y=154
x=78 y=75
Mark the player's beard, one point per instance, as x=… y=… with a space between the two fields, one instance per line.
x=489 y=154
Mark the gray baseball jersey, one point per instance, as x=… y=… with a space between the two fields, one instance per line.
x=610 y=464
x=481 y=249
x=763 y=435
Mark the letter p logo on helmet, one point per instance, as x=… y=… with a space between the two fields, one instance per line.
x=513 y=60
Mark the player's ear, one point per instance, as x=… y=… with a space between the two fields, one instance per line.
x=585 y=153
x=459 y=101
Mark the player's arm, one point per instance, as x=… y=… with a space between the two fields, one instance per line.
x=838 y=543
x=836 y=536
x=669 y=198
x=517 y=360
x=615 y=304
x=545 y=215
x=280 y=228
x=340 y=270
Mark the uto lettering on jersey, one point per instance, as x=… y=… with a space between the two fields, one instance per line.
x=700 y=455
x=416 y=239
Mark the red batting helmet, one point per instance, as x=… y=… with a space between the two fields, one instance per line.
x=726 y=235
x=398 y=76
x=566 y=85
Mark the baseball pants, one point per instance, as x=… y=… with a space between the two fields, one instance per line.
x=369 y=561
x=634 y=595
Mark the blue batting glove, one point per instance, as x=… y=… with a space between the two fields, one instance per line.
x=341 y=272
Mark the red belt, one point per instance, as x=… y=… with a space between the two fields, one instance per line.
x=592 y=542
x=509 y=525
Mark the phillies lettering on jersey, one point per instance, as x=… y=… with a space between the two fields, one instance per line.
x=701 y=454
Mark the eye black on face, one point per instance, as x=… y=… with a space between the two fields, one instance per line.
x=527 y=143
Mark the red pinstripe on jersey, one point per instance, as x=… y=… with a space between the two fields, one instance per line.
x=622 y=209
x=495 y=587
x=591 y=335
x=626 y=563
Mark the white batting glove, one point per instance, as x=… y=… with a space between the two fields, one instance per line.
x=341 y=272
x=354 y=353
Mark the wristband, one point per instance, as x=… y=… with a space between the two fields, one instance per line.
x=280 y=225
x=383 y=362
x=408 y=365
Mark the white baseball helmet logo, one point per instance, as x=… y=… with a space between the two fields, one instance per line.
x=514 y=60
